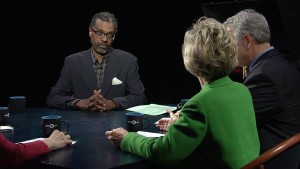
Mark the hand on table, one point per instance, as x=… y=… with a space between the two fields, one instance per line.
x=57 y=140
x=99 y=103
x=116 y=135
x=96 y=103
x=164 y=123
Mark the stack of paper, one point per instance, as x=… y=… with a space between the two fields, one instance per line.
x=151 y=109
x=36 y=139
x=6 y=128
x=150 y=134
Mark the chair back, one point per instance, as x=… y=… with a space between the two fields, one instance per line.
x=259 y=162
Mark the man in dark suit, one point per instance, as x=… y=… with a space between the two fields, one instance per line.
x=273 y=82
x=100 y=78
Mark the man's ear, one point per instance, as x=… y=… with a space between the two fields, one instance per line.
x=249 y=40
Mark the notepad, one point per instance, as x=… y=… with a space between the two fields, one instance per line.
x=150 y=134
x=6 y=128
x=152 y=109
x=36 y=139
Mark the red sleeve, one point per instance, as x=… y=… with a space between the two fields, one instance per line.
x=12 y=154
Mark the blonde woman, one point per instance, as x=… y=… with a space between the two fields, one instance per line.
x=216 y=128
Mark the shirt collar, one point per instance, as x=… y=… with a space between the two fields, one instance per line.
x=254 y=60
x=94 y=58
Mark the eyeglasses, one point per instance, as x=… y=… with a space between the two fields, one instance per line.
x=100 y=34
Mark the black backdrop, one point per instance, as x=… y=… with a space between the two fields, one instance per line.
x=37 y=36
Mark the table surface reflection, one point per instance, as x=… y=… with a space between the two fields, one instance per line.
x=92 y=150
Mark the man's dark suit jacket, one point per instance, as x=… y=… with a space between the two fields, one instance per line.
x=274 y=83
x=77 y=80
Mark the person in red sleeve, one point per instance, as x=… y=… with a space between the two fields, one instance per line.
x=12 y=154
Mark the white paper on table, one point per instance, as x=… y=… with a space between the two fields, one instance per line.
x=6 y=128
x=152 y=109
x=32 y=140
x=150 y=134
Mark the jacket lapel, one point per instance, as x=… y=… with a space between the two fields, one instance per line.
x=112 y=69
x=87 y=73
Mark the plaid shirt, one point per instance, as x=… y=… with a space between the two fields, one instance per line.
x=99 y=69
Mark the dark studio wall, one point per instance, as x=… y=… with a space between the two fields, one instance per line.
x=37 y=36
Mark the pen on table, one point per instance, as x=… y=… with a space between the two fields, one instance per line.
x=174 y=111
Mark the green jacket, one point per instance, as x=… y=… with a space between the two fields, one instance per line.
x=216 y=129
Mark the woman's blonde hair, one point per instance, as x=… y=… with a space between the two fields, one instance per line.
x=209 y=50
